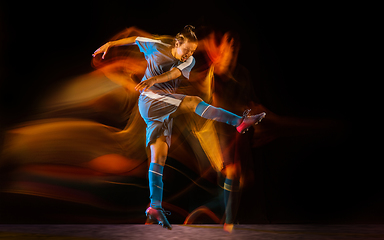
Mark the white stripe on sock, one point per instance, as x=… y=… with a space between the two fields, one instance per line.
x=156 y=173
x=202 y=114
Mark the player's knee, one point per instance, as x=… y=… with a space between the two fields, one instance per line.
x=193 y=102
x=197 y=100
x=232 y=171
x=159 y=151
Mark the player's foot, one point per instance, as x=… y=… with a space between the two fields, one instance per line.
x=228 y=227
x=249 y=120
x=158 y=216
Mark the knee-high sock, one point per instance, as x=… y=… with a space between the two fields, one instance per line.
x=231 y=199
x=155 y=177
x=207 y=111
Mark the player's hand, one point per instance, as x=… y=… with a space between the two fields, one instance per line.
x=144 y=85
x=103 y=49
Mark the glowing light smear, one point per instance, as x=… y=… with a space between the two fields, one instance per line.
x=67 y=140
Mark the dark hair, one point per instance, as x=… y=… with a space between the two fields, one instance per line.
x=186 y=34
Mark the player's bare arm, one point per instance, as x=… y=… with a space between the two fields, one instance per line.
x=165 y=77
x=104 y=49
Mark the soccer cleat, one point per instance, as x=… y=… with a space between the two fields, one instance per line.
x=249 y=120
x=158 y=216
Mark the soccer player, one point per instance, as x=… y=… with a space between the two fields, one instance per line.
x=167 y=65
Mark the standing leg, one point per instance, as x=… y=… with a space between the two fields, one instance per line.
x=231 y=195
x=159 y=152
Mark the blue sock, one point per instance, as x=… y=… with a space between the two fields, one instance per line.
x=155 y=177
x=231 y=199
x=207 y=111
x=227 y=190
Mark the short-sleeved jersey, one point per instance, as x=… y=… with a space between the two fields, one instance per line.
x=160 y=60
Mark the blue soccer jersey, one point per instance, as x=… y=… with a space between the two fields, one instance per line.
x=158 y=102
x=160 y=60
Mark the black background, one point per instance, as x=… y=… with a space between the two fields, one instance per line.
x=304 y=51
x=302 y=47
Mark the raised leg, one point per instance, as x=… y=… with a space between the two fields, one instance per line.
x=203 y=109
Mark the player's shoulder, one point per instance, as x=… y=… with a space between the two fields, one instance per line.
x=150 y=40
x=187 y=65
x=190 y=61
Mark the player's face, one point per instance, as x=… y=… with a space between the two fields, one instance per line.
x=185 y=50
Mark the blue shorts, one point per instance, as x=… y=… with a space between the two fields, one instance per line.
x=155 y=109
